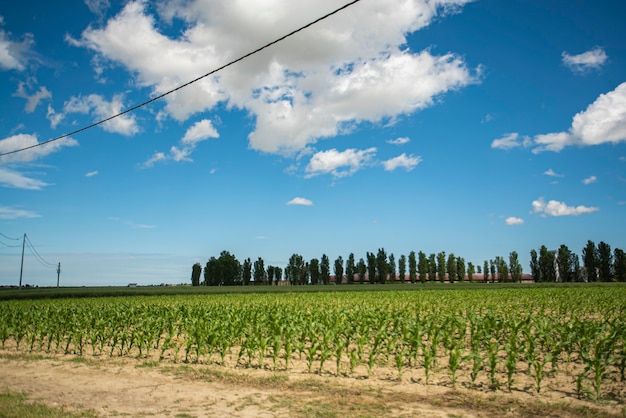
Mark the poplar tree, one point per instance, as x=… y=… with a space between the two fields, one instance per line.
x=605 y=262
x=441 y=266
x=339 y=270
x=590 y=261
x=325 y=269
x=402 y=268
x=451 y=267
x=350 y=268
x=422 y=266
x=412 y=267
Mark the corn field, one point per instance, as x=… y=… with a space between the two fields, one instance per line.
x=528 y=339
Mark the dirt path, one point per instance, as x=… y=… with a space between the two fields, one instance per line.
x=129 y=387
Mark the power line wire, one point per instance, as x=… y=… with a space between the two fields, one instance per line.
x=14 y=239
x=37 y=255
x=345 y=6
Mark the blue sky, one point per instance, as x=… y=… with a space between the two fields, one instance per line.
x=475 y=128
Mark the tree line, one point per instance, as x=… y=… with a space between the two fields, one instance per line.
x=599 y=263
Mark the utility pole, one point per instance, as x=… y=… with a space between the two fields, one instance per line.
x=22 y=267
x=58 y=274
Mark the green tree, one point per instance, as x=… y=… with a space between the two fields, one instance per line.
x=590 y=261
x=314 y=271
x=470 y=271
x=339 y=270
x=422 y=266
x=605 y=262
x=371 y=267
x=325 y=269
x=247 y=271
x=502 y=268
x=293 y=271
x=382 y=266
x=451 y=267
x=350 y=268
x=575 y=263
x=412 y=267
x=515 y=267
x=486 y=271
x=432 y=267
x=547 y=269
x=402 y=268
x=260 y=275
x=391 y=268
x=211 y=273
x=564 y=263
x=278 y=275
x=270 y=275
x=361 y=269
x=534 y=265
x=492 y=270
x=196 y=272
x=441 y=266
x=460 y=268
x=619 y=265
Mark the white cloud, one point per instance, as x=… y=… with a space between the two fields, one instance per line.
x=100 y=108
x=157 y=157
x=588 y=60
x=590 y=180
x=512 y=220
x=550 y=172
x=399 y=141
x=19 y=141
x=10 y=176
x=7 y=212
x=301 y=201
x=91 y=174
x=339 y=164
x=511 y=140
x=14 y=55
x=98 y=7
x=404 y=161
x=556 y=208
x=14 y=179
x=32 y=101
x=351 y=68
x=604 y=121
x=200 y=131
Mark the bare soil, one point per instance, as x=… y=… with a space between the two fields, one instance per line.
x=124 y=386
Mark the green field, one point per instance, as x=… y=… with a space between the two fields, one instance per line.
x=488 y=337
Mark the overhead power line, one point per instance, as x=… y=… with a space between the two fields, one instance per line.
x=38 y=256
x=14 y=239
x=142 y=104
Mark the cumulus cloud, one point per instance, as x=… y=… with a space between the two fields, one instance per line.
x=7 y=212
x=99 y=108
x=590 y=180
x=300 y=201
x=353 y=67
x=91 y=174
x=200 y=131
x=14 y=54
x=604 y=121
x=26 y=140
x=339 y=163
x=509 y=141
x=32 y=100
x=551 y=173
x=399 y=141
x=11 y=174
x=408 y=162
x=556 y=208
x=512 y=220
x=588 y=60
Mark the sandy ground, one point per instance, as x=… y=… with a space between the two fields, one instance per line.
x=132 y=387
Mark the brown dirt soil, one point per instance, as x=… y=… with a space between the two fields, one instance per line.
x=123 y=386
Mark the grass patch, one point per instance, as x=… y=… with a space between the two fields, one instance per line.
x=17 y=405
